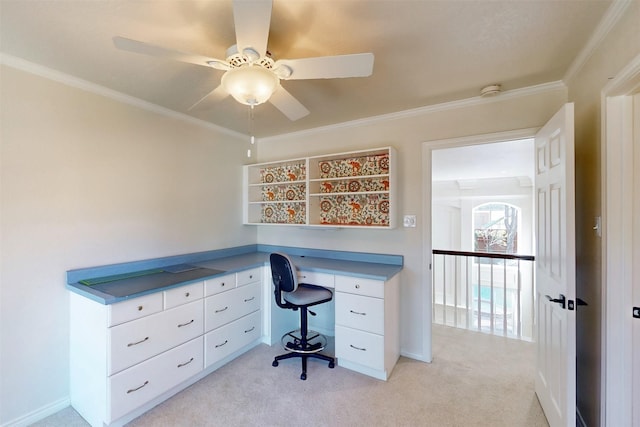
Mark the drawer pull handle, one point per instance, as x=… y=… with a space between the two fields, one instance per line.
x=222 y=284
x=249 y=330
x=222 y=309
x=137 y=388
x=187 y=294
x=136 y=343
x=355 y=312
x=185 y=363
x=357 y=348
x=251 y=276
x=185 y=324
x=220 y=345
x=357 y=286
x=249 y=299
x=140 y=309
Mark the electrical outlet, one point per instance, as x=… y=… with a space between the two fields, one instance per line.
x=409 y=221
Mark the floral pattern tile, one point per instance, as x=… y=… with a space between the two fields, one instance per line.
x=296 y=172
x=354 y=166
x=283 y=213
x=360 y=209
x=283 y=192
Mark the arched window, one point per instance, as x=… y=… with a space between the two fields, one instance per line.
x=495 y=228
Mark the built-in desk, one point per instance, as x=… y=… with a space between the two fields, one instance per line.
x=135 y=347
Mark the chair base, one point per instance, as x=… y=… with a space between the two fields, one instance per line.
x=292 y=341
x=304 y=349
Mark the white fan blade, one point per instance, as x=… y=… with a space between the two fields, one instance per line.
x=135 y=46
x=252 y=19
x=215 y=95
x=329 y=67
x=288 y=105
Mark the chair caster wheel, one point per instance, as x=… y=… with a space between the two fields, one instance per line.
x=332 y=365
x=303 y=376
x=275 y=363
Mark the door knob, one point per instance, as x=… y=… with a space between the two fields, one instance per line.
x=562 y=300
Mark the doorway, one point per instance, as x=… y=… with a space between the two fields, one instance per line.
x=482 y=203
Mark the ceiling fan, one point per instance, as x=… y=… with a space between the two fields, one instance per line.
x=251 y=75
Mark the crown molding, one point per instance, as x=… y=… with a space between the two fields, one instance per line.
x=66 y=79
x=608 y=21
x=452 y=105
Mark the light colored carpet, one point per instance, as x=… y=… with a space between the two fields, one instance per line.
x=475 y=380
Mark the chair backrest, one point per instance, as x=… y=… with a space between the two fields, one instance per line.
x=284 y=276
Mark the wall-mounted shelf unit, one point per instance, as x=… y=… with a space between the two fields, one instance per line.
x=353 y=189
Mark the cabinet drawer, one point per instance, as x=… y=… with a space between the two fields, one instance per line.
x=315 y=278
x=228 y=306
x=359 y=286
x=219 y=284
x=249 y=276
x=360 y=347
x=182 y=295
x=137 y=385
x=223 y=341
x=360 y=312
x=134 y=309
x=135 y=341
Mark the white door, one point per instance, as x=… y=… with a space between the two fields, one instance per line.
x=555 y=269
x=635 y=349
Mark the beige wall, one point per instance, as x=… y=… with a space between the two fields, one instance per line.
x=87 y=181
x=407 y=135
x=620 y=46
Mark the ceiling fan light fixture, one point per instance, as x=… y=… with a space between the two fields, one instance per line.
x=250 y=85
x=283 y=71
x=251 y=54
x=218 y=65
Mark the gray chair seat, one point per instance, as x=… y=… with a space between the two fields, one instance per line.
x=308 y=295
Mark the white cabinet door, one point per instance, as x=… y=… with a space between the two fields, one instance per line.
x=139 y=384
x=223 y=341
x=133 y=342
x=363 y=313
x=227 y=306
x=361 y=347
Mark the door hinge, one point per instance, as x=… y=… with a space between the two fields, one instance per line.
x=570 y=305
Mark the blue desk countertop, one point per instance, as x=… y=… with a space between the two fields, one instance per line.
x=201 y=266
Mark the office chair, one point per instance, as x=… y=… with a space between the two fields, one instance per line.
x=290 y=294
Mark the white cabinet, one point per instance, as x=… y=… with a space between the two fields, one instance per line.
x=128 y=356
x=354 y=189
x=140 y=339
x=133 y=387
x=232 y=316
x=367 y=324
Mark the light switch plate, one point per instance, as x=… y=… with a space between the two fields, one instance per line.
x=409 y=221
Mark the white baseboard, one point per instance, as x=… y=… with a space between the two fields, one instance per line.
x=415 y=356
x=39 y=413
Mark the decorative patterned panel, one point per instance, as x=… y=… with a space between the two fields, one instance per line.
x=283 y=213
x=294 y=172
x=354 y=166
x=363 y=209
x=283 y=192
x=355 y=185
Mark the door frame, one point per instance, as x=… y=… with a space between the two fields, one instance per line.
x=617 y=261
x=427 y=148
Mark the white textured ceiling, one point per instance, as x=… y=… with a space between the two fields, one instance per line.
x=426 y=52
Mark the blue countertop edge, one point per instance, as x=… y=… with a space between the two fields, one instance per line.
x=231 y=260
